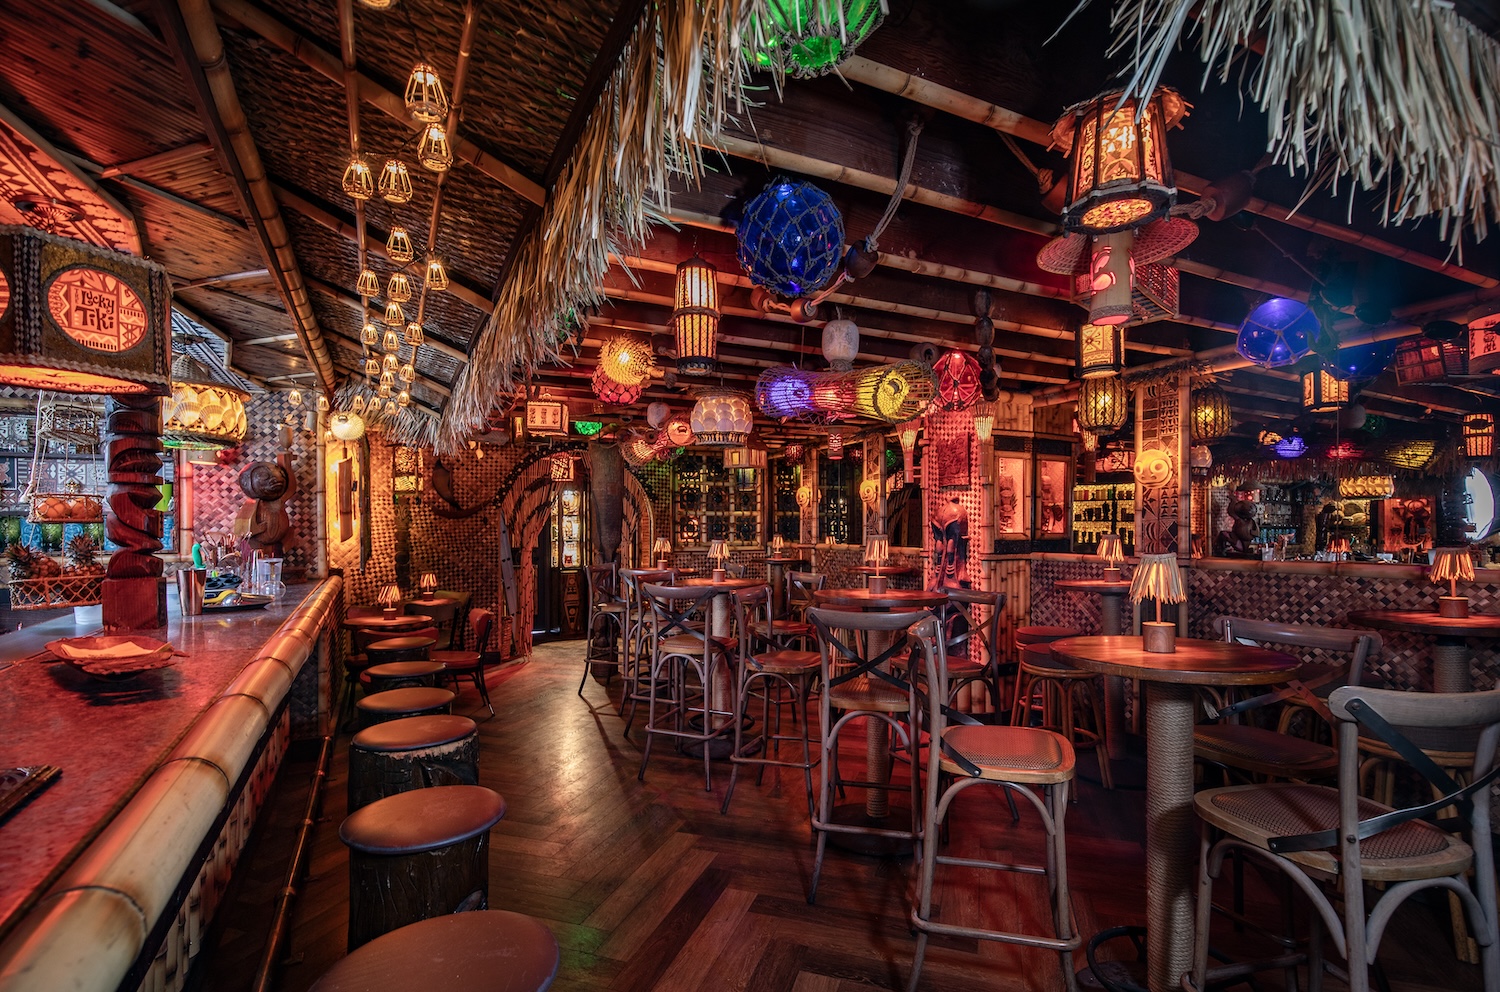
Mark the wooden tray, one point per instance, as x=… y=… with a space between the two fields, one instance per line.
x=19 y=784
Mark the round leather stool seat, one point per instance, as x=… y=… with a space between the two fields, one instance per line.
x=407 y=647
x=393 y=704
x=1040 y=656
x=414 y=732
x=462 y=952
x=400 y=675
x=1041 y=635
x=416 y=752
x=423 y=819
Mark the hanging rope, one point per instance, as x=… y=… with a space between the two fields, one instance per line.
x=913 y=133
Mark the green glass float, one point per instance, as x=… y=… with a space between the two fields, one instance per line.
x=807 y=38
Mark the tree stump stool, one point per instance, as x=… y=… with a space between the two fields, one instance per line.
x=462 y=952
x=400 y=675
x=407 y=647
x=416 y=855
x=397 y=704
x=415 y=753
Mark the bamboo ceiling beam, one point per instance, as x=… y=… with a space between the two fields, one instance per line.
x=939 y=97
x=302 y=47
x=351 y=108
x=196 y=41
x=248 y=274
x=161 y=160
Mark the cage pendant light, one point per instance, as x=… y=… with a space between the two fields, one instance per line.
x=437 y=275
x=407 y=372
x=359 y=181
x=414 y=335
x=398 y=246
x=370 y=335
x=1120 y=174
x=1103 y=404
x=394 y=315
x=395 y=182
x=695 y=317
x=1209 y=415
x=399 y=287
x=372 y=366
x=425 y=99
x=368 y=283
x=391 y=344
x=1101 y=350
x=434 y=150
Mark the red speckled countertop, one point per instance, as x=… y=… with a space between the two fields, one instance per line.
x=106 y=738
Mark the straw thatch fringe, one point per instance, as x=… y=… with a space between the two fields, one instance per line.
x=407 y=426
x=1403 y=94
x=677 y=81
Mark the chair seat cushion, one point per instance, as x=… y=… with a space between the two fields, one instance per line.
x=688 y=644
x=1011 y=754
x=406 y=642
x=399 y=670
x=414 y=732
x=1257 y=813
x=456 y=661
x=786 y=662
x=791 y=628
x=460 y=952
x=422 y=819
x=406 y=700
x=865 y=693
x=1041 y=635
x=1265 y=752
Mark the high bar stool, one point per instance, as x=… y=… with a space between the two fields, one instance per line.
x=460 y=952
x=418 y=854
x=400 y=675
x=417 y=752
x=1058 y=684
x=396 y=704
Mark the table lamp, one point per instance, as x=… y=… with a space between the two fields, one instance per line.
x=718 y=550
x=428 y=585
x=1112 y=550
x=661 y=548
x=389 y=599
x=1158 y=578
x=878 y=552
x=1450 y=565
x=778 y=546
x=1338 y=547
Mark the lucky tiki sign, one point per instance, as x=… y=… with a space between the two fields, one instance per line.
x=97 y=310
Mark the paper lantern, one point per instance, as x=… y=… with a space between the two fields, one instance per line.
x=202 y=413
x=748 y=457
x=347 y=425
x=1112 y=280
x=722 y=418
x=1209 y=415
x=395 y=182
x=695 y=316
x=791 y=239
x=883 y=392
x=1322 y=393
x=1479 y=435
x=1276 y=333
x=957 y=380
x=562 y=467
x=1103 y=404
x=425 y=99
x=1101 y=350
x=792 y=452
x=1120 y=175
x=808 y=38
x=1484 y=344
x=840 y=344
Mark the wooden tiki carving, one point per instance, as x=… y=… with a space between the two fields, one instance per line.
x=134 y=596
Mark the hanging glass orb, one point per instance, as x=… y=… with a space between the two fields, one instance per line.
x=398 y=246
x=808 y=38
x=1277 y=333
x=425 y=99
x=437 y=275
x=957 y=380
x=368 y=283
x=359 y=181
x=369 y=336
x=395 y=182
x=433 y=150
x=1103 y=404
x=1209 y=414
x=399 y=287
x=791 y=239
x=414 y=335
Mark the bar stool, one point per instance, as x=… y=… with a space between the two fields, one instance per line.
x=460 y=952
x=396 y=704
x=1058 y=684
x=417 y=752
x=637 y=636
x=415 y=646
x=606 y=618
x=419 y=854
x=400 y=675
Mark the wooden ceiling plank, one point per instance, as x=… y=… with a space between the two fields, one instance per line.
x=248 y=274
x=161 y=160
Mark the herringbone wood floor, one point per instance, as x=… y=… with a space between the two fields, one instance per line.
x=648 y=887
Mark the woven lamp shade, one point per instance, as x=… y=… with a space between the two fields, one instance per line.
x=1209 y=414
x=1423 y=359
x=718 y=550
x=434 y=150
x=395 y=182
x=1101 y=350
x=1452 y=565
x=1157 y=578
x=368 y=283
x=1322 y=393
x=398 y=246
x=627 y=359
x=359 y=179
x=425 y=99
x=1479 y=435
x=890 y=393
x=878 y=550
x=1103 y=404
x=437 y=275
x=695 y=316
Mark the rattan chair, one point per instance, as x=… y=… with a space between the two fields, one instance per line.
x=780 y=678
x=1032 y=763
x=606 y=617
x=1330 y=841
x=858 y=684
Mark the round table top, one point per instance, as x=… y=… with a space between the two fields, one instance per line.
x=886 y=570
x=1106 y=587
x=774 y=560
x=1428 y=622
x=401 y=621
x=1195 y=662
x=727 y=585
x=891 y=599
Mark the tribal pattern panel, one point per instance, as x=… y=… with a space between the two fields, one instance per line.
x=1159 y=426
x=1052 y=607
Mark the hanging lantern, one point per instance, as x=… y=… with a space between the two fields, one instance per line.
x=1424 y=359
x=414 y=335
x=1413 y=454
x=679 y=432
x=1090 y=440
x=1120 y=175
x=372 y=366
x=407 y=372
x=657 y=414
x=1267 y=438
x=984 y=422
x=347 y=425
x=389 y=361
x=792 y=452
x=562 y=467
x=1209 y=414
x=840 y=344
x=750 y=456
x=791 y=239
x=721 y=418
x=1103 y=404
x=1322 y=393
x=294 y=397
x=437 y=275
x=390 y=343
x=907 y=435
x=394 y=316
x=835 y=446
x=957 y=380
x=368 y=283
x=369 y=335
x=403 y=398
x=695 y=316
x=612 y=392
x=322 y=403
x=626 y=358
x=425 y=99
x=1101 y=350
x=884 y=392
x=359 y=181
x=1276 y=333
x=387 y=382
x=804 y=496
x=202 y=413
x=390 y=409
x=1112 y=279
x=433 y=149
x=1484 y=344
x=1201 y=457
x=807 y=39
x=1479 y=435
x=395 y=182
x=399 y=287
x=398 y=246
x=358 y=403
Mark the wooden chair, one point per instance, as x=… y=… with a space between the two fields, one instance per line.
x=637 y=638
x=857 y=683
x=1330 y=841
x=457 y=664
x=1034 y=764
x=1058 y=694
x=794 y=628
x=782 y=678
x=606 y=616
x=965 y=626
x=444 y=614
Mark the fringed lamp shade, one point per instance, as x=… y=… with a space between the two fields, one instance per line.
x=80 y=319
x=1157 y=578
x=883 y=392
x=1367 y=487
x=695 y=317
x=810 y=37
x=1103 y=405
x=878 y=550
x=1479 y=435
x=389 y=598
x=721 y=418
x=1209 y=414
x=791 y=239
x=1425 y=360
x=626 y=359
x=1276 y=333
x=201 y=413
x=957 y=380
x=1112 y=550
x=1120 y=176
x=1452 y=565
x=425 y=99
x=1101 y=350
x=1322 y=393
x=718 y=550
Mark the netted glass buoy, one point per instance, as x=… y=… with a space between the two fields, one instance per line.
x=791 y=239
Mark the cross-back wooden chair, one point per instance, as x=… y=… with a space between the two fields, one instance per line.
x=607 y=618
x=971 y=620
x=637 y=637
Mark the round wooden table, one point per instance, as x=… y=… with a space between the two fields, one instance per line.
x=395 y=624
x=891 y=599
x=1171 y=854
x=719 y=625
x=1450 y=653
x=1111 y=593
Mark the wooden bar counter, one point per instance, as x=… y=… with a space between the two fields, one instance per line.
x=108 y=876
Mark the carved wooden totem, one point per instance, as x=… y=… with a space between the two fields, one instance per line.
x=135 y=598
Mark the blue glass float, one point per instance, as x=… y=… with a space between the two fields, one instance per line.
x=1278 y=332
x=1290 y=446
x=1365 y=361
x=791 y=240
